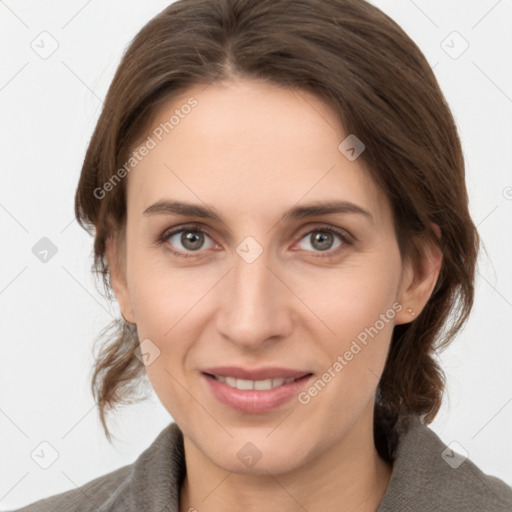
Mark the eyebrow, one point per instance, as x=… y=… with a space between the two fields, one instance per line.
x=167 y=207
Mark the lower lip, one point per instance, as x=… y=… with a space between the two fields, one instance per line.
x=255 y=401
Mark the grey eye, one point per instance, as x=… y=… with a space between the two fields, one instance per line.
x=190 y=240
x=321 y=240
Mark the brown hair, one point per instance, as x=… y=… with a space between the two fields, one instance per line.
x=358 y=60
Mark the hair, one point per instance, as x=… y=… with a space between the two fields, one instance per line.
x=375 y=78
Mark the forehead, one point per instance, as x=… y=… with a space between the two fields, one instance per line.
x=248 y=145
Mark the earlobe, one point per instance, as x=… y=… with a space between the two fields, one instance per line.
x=419 y=283
x=118 y=279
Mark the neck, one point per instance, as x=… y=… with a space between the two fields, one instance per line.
x=349 y=474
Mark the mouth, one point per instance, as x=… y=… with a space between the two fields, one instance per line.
x=257 y=385
x=255 y=396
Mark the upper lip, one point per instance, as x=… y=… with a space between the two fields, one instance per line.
x=255 y=373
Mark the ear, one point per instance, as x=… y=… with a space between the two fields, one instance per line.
x=115 y=249
x=418 y=283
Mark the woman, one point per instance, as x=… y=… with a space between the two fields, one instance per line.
x=278 y=201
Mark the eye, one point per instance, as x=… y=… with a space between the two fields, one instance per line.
x=187 y=239
x=321 y=240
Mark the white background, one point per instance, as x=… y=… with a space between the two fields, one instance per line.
x=52 y=312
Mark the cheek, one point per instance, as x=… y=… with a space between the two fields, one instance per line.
x=160 y=296
x=358 y=305
x=352 y=296
x=165 y=305
x=162 y=301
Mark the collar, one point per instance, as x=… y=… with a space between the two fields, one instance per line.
x=422 y=480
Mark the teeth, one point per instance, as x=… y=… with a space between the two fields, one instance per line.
x=261 y=385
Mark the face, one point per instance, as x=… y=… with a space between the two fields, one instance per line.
x=257 y=286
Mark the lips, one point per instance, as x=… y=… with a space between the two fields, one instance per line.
x=255 y=396
x=255 y=374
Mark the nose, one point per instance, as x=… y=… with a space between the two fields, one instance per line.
x=255 y=306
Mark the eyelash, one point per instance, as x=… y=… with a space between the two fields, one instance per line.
x=197 y=228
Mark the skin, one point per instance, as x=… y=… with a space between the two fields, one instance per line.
x=253 y=150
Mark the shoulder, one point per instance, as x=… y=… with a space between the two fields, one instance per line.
x=428 y=475
x=152 y=480
x=86 y=498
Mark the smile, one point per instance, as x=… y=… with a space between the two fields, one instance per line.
x=254 y=396
x=261 y=385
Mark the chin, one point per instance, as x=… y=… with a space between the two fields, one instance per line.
x=258 y=458
x=262 y=467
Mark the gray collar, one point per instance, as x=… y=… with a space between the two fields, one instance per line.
x=424 y=478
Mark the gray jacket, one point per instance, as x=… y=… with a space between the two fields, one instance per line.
x=427 y=476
